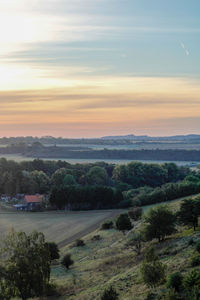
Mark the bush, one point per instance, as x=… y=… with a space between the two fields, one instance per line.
x=190 y=242
x=79 y=243
x=51 y=290
x=153 y=273
x=107 y=225
x=150 y=254
x=109 y=294
x=67 y=261
x=175 y=281
x=136 y=242
x=195 y=260
x=135 y=213
x=198 y=246
x=170 y=295
x=96 y=238
x=123 y=222
x=150 y=296
x=192 y=280
x=53 y=249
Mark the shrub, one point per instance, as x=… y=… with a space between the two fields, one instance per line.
x=79 y=243
x=109 y=294
x=136 y=242
x=190 y=242
x=107 y=225
x=96 y=238
x=53 y=249
x=67 y=261
x=198 y=246
x=175 y=281
x=153 y=273
x=135 y=213
x=150 y=296
x=195 y=260
x=123 y=222
x=150 y=254
x=170 y=295
x=192 y=280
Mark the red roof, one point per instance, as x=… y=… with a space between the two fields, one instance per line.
x=33 y=198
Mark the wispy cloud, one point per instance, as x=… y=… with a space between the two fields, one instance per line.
x=184 y=48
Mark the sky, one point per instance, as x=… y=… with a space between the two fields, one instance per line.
x=90 y=68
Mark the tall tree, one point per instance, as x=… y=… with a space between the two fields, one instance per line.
x=26 y=261
x=160 y=222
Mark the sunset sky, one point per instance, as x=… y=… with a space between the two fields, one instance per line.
x=89 y=68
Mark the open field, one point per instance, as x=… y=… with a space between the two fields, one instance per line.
x=20 y=158
x=59 y=227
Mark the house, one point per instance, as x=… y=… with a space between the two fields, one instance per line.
x=33 y=201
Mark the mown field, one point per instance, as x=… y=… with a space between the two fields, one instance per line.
x=59 y=227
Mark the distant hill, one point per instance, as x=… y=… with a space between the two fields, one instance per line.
x=157 y=138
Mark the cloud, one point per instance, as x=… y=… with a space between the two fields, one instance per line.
x=186 y=50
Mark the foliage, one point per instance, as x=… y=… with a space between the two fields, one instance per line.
x=160 y=222
x=97 y=176
x=175 y=281
x=26 y=261
x=166 y=192
x=192 y=280
x=150 y=254
x=135 y=213
x=53 y=249
x=96 y=237
x=136 y=242
x=197 y=246
x=107 y=225
x=79 y=243
x=123 y=222
x=67 y=261
x=195 y=260
x=109 y=294
x=84 y=198
x=153 y=273
x=170 y=295
x=188 y=213
x=152 y=270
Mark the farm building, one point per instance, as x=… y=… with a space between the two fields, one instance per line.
x=31 y=202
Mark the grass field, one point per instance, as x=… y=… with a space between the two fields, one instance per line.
x=59 y=227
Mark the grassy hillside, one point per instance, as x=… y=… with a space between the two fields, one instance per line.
x=110 y=261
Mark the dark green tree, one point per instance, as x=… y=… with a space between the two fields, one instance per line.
x=152 y=270
x=53 y=250
x=160 y=222
x=188 y=213
x=110 y=294
x=67 y=261
x=123 y=223
x=97 y=176
x=26 y=261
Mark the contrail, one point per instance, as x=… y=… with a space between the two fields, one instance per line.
x=186 y=50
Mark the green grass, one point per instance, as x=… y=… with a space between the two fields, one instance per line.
x=109 y=261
